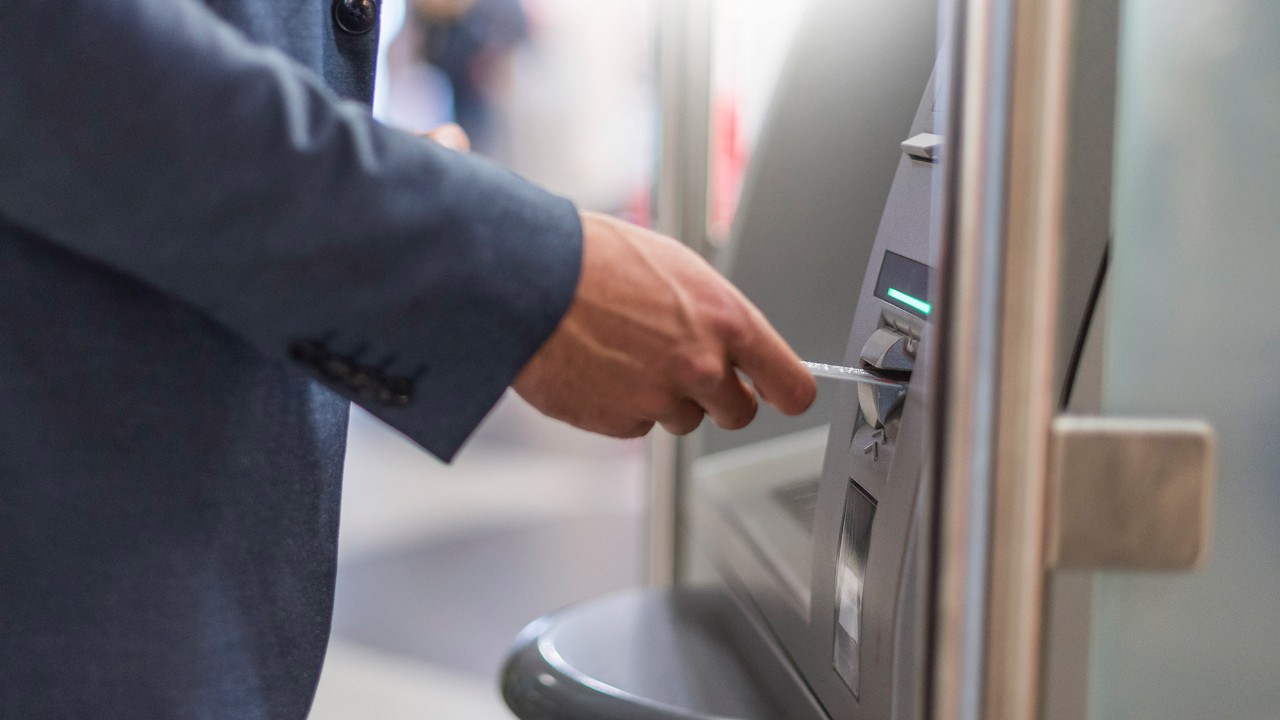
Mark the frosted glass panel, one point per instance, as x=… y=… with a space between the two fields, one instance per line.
x=1194 y=331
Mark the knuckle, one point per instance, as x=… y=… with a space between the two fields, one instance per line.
x=683 y=425
x=637 y=430
x=740 y=419
x=615 y=430
x=623 y=426
x=732 y=325
x=659 y=406
x=689 y=427
x=701 y=371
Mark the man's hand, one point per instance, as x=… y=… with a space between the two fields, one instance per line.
x=655 y=335
x=450 y=135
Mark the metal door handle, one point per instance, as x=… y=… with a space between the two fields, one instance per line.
x=1129 y=493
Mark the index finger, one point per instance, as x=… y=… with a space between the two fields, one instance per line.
x=774 y=368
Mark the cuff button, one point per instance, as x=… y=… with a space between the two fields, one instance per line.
x=395 y=392
x=364 y=379
x=336 y=367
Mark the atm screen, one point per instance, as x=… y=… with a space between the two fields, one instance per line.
x=855 y=544
x=905 y=283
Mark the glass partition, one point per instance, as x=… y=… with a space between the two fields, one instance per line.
x=1191 y=333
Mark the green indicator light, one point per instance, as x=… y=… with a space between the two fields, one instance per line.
x=906 y=299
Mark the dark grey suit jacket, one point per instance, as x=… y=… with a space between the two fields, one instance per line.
x=195 y=227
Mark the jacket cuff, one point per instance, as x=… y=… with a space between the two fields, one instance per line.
x=482 y=303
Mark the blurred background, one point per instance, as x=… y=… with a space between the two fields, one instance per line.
x=440 y=566
x=561 y=91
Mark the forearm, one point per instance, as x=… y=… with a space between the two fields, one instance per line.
x=220 y=172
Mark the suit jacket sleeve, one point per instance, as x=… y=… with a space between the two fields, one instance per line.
x=154 y=138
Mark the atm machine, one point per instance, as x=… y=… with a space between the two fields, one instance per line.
x=803 y=594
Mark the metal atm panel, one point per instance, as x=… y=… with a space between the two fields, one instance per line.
x=811 y=208
x=872 y=460
x=856 y=637
x=848 y=621
x=819 y=177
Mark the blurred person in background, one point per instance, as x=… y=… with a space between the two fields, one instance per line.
x=563 y=83
x=452 y=59
x=472 y=41
x=207 y=250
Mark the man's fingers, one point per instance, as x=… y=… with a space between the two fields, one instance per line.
x=640 y=428
x=732 y=405
x=655 y=333
x=774 y=368
x=683 y=419
x=451 y=136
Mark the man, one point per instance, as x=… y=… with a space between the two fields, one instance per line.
x=194 y=229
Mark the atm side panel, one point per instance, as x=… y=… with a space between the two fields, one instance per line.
x=868 y=497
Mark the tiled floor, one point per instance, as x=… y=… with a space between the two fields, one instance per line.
x=440 y=566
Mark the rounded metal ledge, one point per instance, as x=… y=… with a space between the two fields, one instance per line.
x=642 y=654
